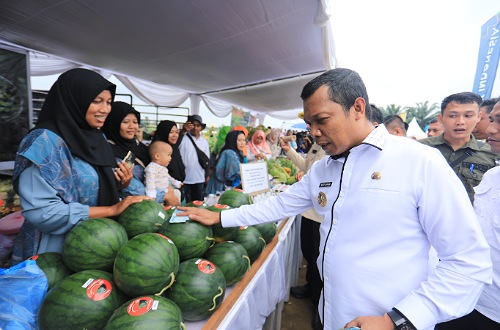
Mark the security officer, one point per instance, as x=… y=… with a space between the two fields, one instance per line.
x=469 y=158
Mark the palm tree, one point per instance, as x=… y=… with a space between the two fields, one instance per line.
x=423 y=112
x=392 y=109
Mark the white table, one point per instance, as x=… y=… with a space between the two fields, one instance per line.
x=256 y=302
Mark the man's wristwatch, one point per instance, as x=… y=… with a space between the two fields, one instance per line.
x=400 y=321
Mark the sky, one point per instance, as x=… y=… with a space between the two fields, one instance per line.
x=407 y=52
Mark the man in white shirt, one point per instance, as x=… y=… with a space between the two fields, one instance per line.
x=385 y=201
x=195 y=175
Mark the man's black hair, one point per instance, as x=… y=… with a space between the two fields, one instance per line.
x=461 y=98
x=344 y=87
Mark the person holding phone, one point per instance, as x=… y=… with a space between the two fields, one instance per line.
x=64 y=170
x=120 y=129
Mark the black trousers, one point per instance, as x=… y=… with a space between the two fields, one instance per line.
x=309 y=243
x=472 y=321
x=193 y=192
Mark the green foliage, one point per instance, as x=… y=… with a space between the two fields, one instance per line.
x=422 y=111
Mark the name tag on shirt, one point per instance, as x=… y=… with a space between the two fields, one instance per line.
x=325 y=184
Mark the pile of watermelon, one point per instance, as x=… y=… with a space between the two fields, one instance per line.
x=142 y=269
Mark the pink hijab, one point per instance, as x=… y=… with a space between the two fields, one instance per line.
x=263 y=147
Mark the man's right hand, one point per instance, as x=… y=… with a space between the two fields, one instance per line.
x=187 y=127
x=203 y=216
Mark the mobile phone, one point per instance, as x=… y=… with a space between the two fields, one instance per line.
x=129 y=159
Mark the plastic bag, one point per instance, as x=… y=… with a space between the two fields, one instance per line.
x=23 y=288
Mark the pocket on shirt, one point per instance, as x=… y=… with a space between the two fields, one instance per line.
x=486 y=205
x=379 y=192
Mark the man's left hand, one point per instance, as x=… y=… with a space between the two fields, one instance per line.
x=372 y=323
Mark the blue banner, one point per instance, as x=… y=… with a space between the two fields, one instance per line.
x=489 y=53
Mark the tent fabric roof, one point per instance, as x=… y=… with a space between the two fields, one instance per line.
x=252 y=54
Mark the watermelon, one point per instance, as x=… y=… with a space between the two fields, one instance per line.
x=143 y=217
x=53 y=266
x=146 y=264
x=231 y=258
x=199 y=204
x=147 y=312
x=93 y=244
x=222 y=234
x=267 y=230
x=191 y=238
x=235 y=198
x=198 y=290
x=169 y=210
x=84 y=300
x=252 y=241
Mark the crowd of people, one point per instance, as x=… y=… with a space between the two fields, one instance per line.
x=397 y=233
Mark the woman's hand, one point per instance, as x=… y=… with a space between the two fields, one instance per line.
x=170 y=198
x=123 y=175
x=203 y=216
x=115 y=210
x=284 y=145
x=299 y=175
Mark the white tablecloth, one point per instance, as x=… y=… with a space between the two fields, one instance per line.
x=261 y=303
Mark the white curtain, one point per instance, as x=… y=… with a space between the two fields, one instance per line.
x=153 y=93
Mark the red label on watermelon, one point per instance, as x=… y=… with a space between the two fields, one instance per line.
x=99 y=289
x=166 y=208
x=34 y=257
x=205 y=266
x=140 y=306
x=238 y=190
x=243 y=227
x=165 y=237
x=198 y=203
x=221 y=206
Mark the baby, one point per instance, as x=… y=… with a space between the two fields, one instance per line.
x=157 y=177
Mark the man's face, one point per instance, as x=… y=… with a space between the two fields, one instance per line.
x=197 y=128
x=331 y=127
x=459 y=120
x=479 y=131
x=435 y=129
x=493 y=129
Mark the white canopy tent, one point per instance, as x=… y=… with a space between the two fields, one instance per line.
x=256 y=55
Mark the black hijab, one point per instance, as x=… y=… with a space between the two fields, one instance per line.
x=176 y=167
x=231 y=142
x=121 y=146
x=64 y=111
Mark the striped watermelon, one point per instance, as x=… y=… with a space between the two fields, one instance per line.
x=252 y=241
x=93 y=244
x=198 y=290
x=147 y=312
x=267 y=230
x=84 y=300
x=231 y=258
x=52 y=265
x=191 y=238
x=146 y=264
x=235 y=198
x=222 y=234
x=143 y=217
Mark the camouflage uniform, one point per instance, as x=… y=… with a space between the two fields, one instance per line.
x=471 y=169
